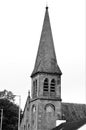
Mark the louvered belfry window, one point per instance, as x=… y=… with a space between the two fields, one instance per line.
x=52 y=86
x=45 y=87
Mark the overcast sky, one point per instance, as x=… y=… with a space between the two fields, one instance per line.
x=20 y=29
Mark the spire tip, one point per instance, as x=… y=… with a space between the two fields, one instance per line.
x=46 y=7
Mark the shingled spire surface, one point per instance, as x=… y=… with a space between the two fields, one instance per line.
x=46 y=59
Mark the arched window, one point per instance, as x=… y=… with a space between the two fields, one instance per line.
x=52 y=85
x=50 y=108
x=45 y=87
x=49 y=112
x=33 y=109
x=33 y=117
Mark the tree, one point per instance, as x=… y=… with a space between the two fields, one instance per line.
x=7 y=94
x=10 y=114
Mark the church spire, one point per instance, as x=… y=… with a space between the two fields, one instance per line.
x=46 y=59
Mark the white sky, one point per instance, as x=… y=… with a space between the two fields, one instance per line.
x=20 y=29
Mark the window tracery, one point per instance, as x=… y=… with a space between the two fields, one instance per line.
x=49 y=112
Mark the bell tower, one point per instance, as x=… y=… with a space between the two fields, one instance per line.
x=46 y=82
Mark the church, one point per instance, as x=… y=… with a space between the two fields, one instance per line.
x=44 y=108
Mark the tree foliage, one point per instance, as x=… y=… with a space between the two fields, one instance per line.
x=10 y=114
x=7 y=95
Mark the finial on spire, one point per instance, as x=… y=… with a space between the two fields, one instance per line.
x=46 y=5
x=28 y=93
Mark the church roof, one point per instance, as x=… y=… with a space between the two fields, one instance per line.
x=46 y=59
x=74 y=125
x=73 y=111
x=74 y=114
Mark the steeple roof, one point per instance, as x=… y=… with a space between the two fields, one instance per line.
x=46 y=59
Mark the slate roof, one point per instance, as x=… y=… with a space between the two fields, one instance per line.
x=46 y=59
x=73 y=112
x=75 y=116
x=74 y=125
